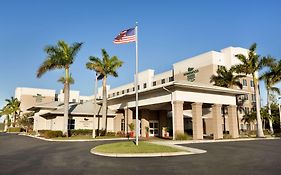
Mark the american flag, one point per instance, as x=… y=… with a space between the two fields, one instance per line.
x=125 y=36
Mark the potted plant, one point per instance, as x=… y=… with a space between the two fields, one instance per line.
x=165 y=131
x=147 y=131
x=132 y=128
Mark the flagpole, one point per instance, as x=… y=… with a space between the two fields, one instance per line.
x=136 y=87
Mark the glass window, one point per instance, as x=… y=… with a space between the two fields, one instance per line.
x=144 y=85
x=138 y=87
x=122 y=124
x=128 y=90
x=74 y=100
x=133 y=88
x=154 y=83
x=246 y=97
x=244 y=82
x=117 y=93
x=81 y=101
x=113 y=94
x=163 y=81
x=253 y=97
x=252 y=83
x=71 y=124
x=171 y=79
x=123 y=92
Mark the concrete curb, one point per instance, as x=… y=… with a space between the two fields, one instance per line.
x=78 y=140
x=178 y=142
x=93 y=151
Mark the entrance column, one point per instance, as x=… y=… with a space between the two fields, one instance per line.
x=217 y=121
x=144 y=121
x=178 y=117
x=197 y=123
x=232 y=121
x=128 y=118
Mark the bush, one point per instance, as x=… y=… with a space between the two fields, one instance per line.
x=110 y=134
x=227 y=136
x=121 y=134
x=183 y=137
x=101 y=132
x=15 y=129
x=76 y=132
x=50 y=134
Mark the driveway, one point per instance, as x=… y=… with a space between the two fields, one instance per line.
x=25 y=155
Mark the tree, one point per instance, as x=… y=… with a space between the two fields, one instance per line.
x=63 y=81
x=249 y=117
x=6 y=112
x=104 y=67
x=270 y=78
x=226 y=78
x=13 y=107
x=61 y=56
x=26 y=121
x=250 y=65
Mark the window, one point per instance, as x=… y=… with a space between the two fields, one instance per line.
x=154 y=83
x=252 y=83
x=246 y=96
x=123 y=92
x=144 y=85
x=81 y=101
x=108 y=96
x=128 y=90
x=122 y=124
x=171 y=79
x=56 y=97
x=117 y=93
x=113 y=94
x=138 y=87
x=71 y=124
x=74 y=100
x=163 y=81
x=133 y=88
x=253 y=97
x=244 y=82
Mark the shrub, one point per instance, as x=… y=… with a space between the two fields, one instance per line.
x=75 y=132
x=50 y=134
x=15 y=129
x=227 y=136
x=183 y=137
x=101 y=132
x=121 y=134
x=131 y=126
x=110 y=134
x=266 y=132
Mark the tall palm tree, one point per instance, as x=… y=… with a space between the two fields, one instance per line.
x=104 y=67
x=13 y=107
x=270 y=78
x=250 y=65
x=226 y=78
x=5 y=111
x=61 y=56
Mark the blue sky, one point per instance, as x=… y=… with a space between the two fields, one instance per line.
x=169 y=31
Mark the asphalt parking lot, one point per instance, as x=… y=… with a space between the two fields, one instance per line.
x=25 y=155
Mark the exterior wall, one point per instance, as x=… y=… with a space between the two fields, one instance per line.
x=73 y=96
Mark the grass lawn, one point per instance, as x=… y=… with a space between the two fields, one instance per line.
x=130 y=147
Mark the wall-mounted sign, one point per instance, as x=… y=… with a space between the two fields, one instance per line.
x=190 y=74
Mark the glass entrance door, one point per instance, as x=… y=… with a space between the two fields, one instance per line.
x=153 y=128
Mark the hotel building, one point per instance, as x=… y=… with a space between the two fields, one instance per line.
x=176 y=101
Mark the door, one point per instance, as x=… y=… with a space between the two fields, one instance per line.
x=153 y=128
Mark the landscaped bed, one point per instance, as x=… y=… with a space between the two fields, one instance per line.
x=130 y=147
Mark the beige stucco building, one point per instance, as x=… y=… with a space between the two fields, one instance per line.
x=176 y=101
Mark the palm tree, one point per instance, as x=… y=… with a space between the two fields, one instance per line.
x=13 y=107
x=62 y=80
x=270 y=78
x=5 y=111
x=61 y=56
x=226 y=78
x=104 y=67
x=250 y=65
x=249 y=117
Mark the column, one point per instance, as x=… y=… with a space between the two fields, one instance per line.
x=217 y=121
x=232 y=119
x=117 y=122
x=128 y=118
x=178 y=117
x=197 y=122
x=144 y=121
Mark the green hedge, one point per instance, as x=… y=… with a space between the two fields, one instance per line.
x=15 y=129
x=76 y=132
x=183 y=137
x=50 y=134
